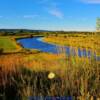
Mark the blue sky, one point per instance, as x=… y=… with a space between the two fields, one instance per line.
x=50 y=14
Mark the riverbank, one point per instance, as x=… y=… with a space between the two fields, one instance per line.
x=80 y=41
x=9 y=45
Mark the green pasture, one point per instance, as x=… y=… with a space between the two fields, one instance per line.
x=7 y=44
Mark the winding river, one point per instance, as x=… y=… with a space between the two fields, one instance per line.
x=39 y=44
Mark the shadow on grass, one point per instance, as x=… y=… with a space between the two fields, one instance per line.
x=24 y=83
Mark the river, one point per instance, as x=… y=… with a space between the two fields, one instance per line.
x=39 y=44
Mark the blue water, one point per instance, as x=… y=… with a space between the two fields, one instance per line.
x=39 y=44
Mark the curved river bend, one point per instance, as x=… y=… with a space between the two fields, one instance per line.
x=39 y=44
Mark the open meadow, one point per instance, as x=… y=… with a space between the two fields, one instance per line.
x=8 y=44
x=31 y=72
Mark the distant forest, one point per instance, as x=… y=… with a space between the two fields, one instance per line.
x=38 y=32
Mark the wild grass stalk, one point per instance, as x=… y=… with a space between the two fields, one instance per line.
x=73 y=77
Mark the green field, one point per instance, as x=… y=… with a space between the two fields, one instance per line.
x=8 y=44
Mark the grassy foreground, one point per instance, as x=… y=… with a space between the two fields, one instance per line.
x=23 y=76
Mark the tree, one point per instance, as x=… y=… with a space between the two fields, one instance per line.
x=98 y=25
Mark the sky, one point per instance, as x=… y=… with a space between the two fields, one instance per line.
x=68 y=15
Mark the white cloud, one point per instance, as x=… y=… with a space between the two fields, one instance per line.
x=56 y=12
x=91 y=1
x=30 y=16
x=52 y=7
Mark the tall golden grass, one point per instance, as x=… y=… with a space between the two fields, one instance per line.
x=21 y=77
x=77 y=40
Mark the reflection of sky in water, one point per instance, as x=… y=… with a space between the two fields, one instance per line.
x=79 y=52
x=84 y=53
x=37 y=43
x=89 y=54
